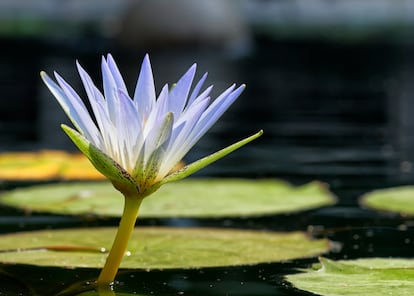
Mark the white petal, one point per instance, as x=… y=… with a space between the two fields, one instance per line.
x=144 y=96
x=116 y=75
x=200 y=97
x=214 y=111
x=110 y=91
x=158 y=112
x=96 y=99
x=129 y=131
x=178 y=95
x=196 y=89
x=75 y=108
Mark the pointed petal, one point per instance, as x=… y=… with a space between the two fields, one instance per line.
x=96 y=99
x=116 y=75
x=179 y=93
x=214 y=111
x=73 y=107
x=200 y=97
x=144 y=96
x=196 y=90
x=110 y=91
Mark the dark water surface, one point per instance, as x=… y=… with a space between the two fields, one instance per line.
x=335 y=112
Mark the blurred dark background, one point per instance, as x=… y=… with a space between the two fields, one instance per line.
x=330 y=82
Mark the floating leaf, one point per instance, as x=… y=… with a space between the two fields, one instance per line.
x=187 y=198
x=46 y=165
x=396 y=199
x=159 y=248
x=371 y=276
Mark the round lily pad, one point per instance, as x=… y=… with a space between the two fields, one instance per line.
x=395 y=199
x=368 y=276
x=157 y=247
x=188 y=198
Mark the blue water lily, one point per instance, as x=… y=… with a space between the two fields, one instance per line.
x=135 y=141
x=142 y=137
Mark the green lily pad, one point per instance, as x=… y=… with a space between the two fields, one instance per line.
x=204 y=198
x=157 y=247
x=395 y=199
x=368 y=276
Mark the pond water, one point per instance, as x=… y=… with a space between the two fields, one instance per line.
x=334 y=112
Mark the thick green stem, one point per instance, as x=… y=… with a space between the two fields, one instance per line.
x=119 y=246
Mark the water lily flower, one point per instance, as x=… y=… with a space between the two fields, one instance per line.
x=135 y=141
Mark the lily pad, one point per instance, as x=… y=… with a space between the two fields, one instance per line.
x=157 y=247
x=188 y=198
x=46 y=165
x=369 y=276
x=396 y=199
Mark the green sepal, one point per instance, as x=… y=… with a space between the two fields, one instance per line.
x=119 y=177
x=205 y=161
